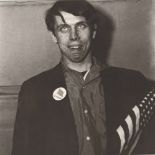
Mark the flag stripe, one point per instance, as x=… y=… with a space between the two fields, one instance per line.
x=121 y=134
x=129 y=122
x=126 y=130
x=134 y=143
x=136 y=111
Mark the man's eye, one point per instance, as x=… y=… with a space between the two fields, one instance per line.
x=64 y=29
x=82 y=26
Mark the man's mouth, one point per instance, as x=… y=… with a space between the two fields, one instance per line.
x=75 y=47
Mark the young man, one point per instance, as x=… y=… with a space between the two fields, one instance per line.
x=80 y=107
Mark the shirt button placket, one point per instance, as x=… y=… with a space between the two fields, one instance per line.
x=85 y=111
x=88 y=138
x=83 y=87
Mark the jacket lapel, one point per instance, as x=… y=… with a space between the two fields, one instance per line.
x=60 y=111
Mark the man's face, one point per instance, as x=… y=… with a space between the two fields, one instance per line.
x=73 y=36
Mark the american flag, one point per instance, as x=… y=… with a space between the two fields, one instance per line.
x=131 y=128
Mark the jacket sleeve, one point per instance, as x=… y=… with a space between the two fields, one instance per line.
x=22 y=123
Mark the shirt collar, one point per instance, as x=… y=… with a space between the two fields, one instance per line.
x=94 y=72
x=96 y=64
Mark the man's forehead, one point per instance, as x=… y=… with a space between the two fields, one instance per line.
x=69 y=18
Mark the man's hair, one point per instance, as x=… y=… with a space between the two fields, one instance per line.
x=75 y=7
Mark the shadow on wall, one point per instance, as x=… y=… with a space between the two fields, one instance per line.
x=131 y=45
x=104 y=36
x=123 y=38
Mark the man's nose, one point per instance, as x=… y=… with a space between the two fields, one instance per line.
x=74 y=34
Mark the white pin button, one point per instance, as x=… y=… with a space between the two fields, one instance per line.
x=59 y=93
x=88 y=138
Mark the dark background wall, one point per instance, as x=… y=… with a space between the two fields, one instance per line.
x=26 y=47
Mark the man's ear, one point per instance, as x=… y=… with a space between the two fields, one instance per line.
x=94 y=31
x=54 y=37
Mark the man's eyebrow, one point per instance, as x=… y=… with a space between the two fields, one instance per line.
x=82 y=22
x=61 y=25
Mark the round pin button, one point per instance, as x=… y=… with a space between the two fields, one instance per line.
x=59 y=93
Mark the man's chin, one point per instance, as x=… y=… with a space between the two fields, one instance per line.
x=77 y=60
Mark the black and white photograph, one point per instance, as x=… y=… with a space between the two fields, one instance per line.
x=77 y=77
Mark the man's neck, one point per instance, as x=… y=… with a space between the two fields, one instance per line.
x=81 y=66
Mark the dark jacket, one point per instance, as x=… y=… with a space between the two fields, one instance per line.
x=45 y=126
